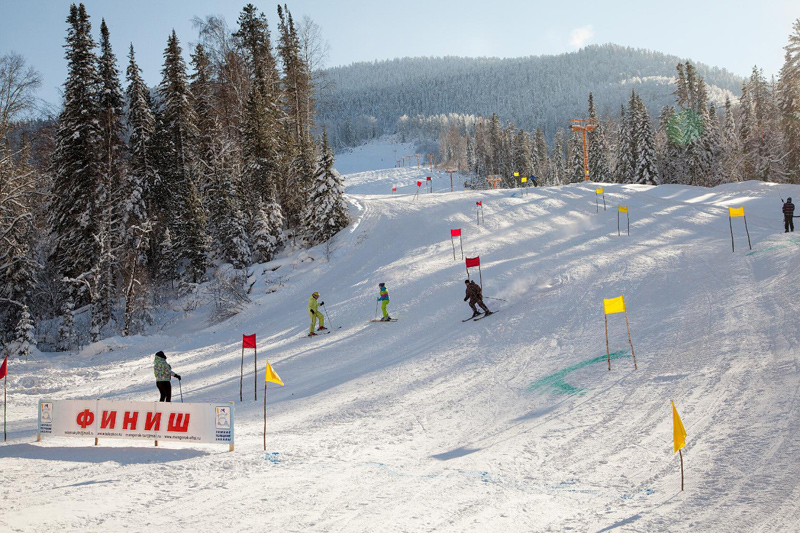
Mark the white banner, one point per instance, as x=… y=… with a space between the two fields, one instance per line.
x=187 y=422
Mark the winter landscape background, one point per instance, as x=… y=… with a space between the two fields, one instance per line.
x=178 y=210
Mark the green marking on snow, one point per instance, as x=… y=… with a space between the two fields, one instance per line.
x=557 y=383
x=793 y=240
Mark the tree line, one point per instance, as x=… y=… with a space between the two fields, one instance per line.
x=132 y=195
x=692 y=142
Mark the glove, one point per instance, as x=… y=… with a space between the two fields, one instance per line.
x=466 y=298
x=178 y=376
x=322 y=303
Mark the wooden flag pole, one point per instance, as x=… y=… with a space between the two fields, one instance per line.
x=628 y=216
x=454 y=246
x=630 y=341
x=731 y=226
x=748 y=232
x=5 y=401
x=478 y=215
x=461 y=242
x=604 y=199
x=241 y=375
x=480 y=275
x=608 y=352
x=681 y=454
x=255 y=374
x=618 y=233
x=265 y=414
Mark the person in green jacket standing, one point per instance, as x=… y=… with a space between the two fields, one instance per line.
x=164 y=373
x=313 y=310
x=384 y=299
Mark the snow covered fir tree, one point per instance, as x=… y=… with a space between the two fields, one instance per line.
x=133 y=196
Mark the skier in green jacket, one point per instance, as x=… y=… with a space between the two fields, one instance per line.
x=163 y=372
x=384 y=299
x=313 y=310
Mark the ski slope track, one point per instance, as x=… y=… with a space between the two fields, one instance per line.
x=431 y=424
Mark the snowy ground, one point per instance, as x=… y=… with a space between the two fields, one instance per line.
x=512 y=423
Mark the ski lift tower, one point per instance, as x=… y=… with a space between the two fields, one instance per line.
x=583 y=125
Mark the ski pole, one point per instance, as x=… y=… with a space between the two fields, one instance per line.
x=180 y=389
x=327 y=316
x=490 y=298
x=376 y=310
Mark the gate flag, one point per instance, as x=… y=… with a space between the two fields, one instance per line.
x=455 y=233
x=272 y=376
x=473 y=261
x=249 y=341
x=614 y=305
x=678 y=431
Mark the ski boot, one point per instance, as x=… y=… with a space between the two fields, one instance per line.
x=321 y=328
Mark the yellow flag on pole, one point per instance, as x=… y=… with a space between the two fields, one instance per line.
x=614 y=305
x=623 y=209
x=736 y=211
x=599 y=191
x=516 y=174
x=524 y=180
x=679 y=433
x=272 y=376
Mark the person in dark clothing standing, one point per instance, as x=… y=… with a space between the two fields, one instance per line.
x=164 y=373
x=475 y=296
x=788 y=215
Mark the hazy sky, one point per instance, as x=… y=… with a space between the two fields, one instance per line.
x=718 y=33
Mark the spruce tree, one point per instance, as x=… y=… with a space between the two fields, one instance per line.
x=789 y=102
x=599 y=168
x=141 y=175
x=558 y=171
x=76 y=159
x=646 y=169
x=186 y=218
x=576 y=162
x=109 y=200
x=267 y=230
x=325 y=213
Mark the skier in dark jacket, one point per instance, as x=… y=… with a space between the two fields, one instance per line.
x=788 y=214
x=164 y=374
x=475 y=296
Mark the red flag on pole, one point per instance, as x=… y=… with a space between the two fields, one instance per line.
x=428 y=178
x=473 y=261
x=479 y=203
x=394 y=189
x=455 y=233
x=419 y=184
x=249 y=341
x=4 y=368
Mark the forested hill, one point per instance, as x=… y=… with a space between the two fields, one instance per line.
x=535 y=91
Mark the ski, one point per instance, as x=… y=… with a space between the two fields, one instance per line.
x=379 y=320
x=316 y=333
x=472 y=318
x=482 y=316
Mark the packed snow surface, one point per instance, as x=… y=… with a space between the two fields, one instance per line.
x=511 y=423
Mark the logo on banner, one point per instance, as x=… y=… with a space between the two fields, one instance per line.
x=223 y=417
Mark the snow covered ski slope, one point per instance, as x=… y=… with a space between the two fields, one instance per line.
x=507 y=424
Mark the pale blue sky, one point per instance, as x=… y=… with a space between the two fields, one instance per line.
x=715 y=32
